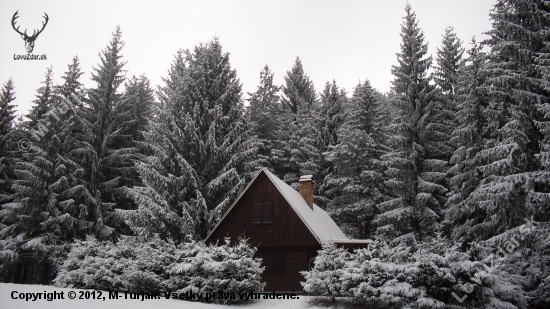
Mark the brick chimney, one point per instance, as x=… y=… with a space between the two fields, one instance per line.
x=306 y=189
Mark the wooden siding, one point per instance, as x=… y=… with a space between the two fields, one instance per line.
x=296 y=260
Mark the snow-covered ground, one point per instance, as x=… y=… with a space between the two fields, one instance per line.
x=8 y=289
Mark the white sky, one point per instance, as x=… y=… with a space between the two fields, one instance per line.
x=343 y=40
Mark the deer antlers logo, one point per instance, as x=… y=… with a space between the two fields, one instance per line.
x=29 y=40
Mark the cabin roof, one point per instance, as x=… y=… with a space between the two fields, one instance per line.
x=319 y=223
x=317 y=220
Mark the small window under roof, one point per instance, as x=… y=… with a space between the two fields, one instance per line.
x=257 y=216
x=267 y=213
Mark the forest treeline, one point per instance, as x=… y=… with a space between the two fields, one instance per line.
x=459 y=149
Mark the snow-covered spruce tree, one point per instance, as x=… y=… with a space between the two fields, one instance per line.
x=417 y=173
x=43 y=101
x=7 y=143
x=468 y=139
x=544 y=127
x=329 y=119
x=325 y=278
x=50 y=201
x=299 y=143
x=216 y=269
x=107 y=155
x=24 y=213
x=304 y=147
x=448 y=61
x=7 y=176
x=543 y=66
x=514 y=185
x=299 y=92
x=68 y=198
x=201 y=150
x=264 y=115
x=68 y=146
x=134 y=112
x=357 y=180
x=138 y=106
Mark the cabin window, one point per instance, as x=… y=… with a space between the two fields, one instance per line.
x=267 y=213
x=257 y=213
x=274 y=262
x=262 y=213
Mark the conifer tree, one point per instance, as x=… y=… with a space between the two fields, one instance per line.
x=43 y=101
x=415 y=170
x=138 y=109
x=201 y=148
x=299 y=92
x=299 y=126
x=329 y=119
x=23 y=211
x=357 y=180
x=448 y=61
x=325 y=279
x=542 y=62
x=49 y=208
x=34 y=129
x=71 y=218
x=511 y=188
x=468 y=138
x=107 y=160
x=264 y=115
x=134 y=115
x=7 y=143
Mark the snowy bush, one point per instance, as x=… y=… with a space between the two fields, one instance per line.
x=524 y=252
x=417 y=276
x=157 y=265
x=129 y=265
x=427 y=275
x=216 y=269
x=444 y=270
x=381 y=275
x=325 y=279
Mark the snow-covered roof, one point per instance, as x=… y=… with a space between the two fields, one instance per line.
x=317 y=220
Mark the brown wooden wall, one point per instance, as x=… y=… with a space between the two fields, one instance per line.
x=286 y=230
x=287 y=233
x=296 y=260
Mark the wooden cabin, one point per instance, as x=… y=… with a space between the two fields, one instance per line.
x=284 y=224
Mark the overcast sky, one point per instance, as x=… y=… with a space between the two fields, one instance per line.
x=346 y=41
